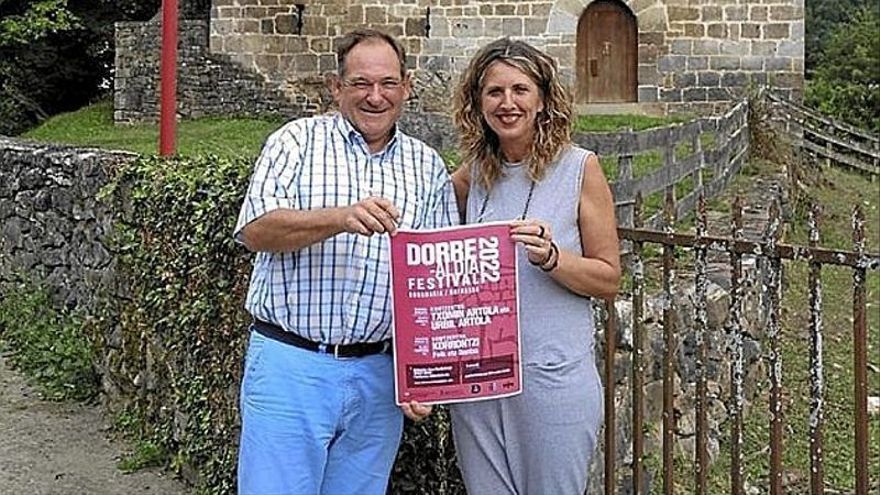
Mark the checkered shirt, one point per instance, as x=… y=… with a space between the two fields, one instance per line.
x=338 y=291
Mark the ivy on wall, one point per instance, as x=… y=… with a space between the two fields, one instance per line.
x=173 y=335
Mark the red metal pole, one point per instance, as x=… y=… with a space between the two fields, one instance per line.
x=168 y=76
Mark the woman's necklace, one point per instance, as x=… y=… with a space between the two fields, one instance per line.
x=525 y=210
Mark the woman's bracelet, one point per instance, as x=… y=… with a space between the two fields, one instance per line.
x=547 y=259
x=554 y=250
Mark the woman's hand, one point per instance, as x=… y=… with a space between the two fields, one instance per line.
x=536 y=238
x=416 y=411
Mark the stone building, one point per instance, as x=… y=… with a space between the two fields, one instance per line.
x=638 y=56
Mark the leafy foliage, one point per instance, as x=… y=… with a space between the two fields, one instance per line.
x=847 y=82
x=181 y=325
x=822 y=18
x=146 y=454
x=47 y=344
x=55 y=56
x=175 y=339
x=58 y=55
x=34 y=21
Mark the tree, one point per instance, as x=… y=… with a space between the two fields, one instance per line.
x=24 y=26
x=25 y=22
x=57 y=55
x=822 y=17
x=846 y=82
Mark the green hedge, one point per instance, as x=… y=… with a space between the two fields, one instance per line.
x=173 y=339
x=173 y=336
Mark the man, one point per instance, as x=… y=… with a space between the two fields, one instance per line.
x=317 y=396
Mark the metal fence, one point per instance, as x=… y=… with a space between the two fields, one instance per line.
x=771 y=252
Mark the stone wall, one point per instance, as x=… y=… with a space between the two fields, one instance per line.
x=692 y=56
x=211 y=84
x=53 y=228
x=208 y=84
x=717 y=367
x=266 y=56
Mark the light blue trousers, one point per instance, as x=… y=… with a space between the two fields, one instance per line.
x=315 y=425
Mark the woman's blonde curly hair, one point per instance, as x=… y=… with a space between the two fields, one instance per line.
x=480 y=146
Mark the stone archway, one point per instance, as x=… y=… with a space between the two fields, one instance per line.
x=607 y=54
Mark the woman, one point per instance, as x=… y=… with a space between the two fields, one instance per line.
x=519 y=165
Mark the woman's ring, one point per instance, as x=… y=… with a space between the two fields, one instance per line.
x=541 y=232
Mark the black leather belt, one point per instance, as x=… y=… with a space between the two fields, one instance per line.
x=359 y=349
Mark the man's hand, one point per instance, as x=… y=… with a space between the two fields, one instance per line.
x=370 y=216
x=416 y=411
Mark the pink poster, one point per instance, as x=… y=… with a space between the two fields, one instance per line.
x=456 y=307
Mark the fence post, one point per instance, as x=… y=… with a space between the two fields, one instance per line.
x=860 y=355
x=610 y=415
x=736 y=372
x=669 y=343
x=829 y=148
x=638 y=378
x=625 y=173
x=817 y=379
x=702 y=455
x=772 y=289
x=875 y=161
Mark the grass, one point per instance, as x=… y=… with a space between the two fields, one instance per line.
x=837 y=191
x=609 y=123
x=93 y=126
x=651 y=160
x=707 y=140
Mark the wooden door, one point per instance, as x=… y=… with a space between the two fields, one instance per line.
x=607 y=54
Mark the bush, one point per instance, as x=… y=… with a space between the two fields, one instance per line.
x=175 y=341
x=847 y=81
x=47 y=344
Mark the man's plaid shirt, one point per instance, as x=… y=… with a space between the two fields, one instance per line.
x=338 y=291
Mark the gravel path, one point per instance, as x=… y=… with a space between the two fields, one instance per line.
x=49 y=448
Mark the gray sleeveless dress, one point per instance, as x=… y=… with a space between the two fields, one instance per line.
x=539 y=442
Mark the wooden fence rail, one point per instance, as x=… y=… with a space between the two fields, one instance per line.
x=825 y=137
x=708 y=171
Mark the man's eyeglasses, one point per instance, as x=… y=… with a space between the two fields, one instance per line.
x=364 y=86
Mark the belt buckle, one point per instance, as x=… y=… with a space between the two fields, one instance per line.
x=337 y=356
x=325 y=349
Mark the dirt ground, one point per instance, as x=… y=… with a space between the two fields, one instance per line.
x=49 y=448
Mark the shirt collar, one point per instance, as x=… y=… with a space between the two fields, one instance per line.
x=354 y=138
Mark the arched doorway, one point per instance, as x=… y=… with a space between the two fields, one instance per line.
x=607 y=54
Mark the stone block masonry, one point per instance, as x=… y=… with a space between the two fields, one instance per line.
x=266 y=56
x=208 y=84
